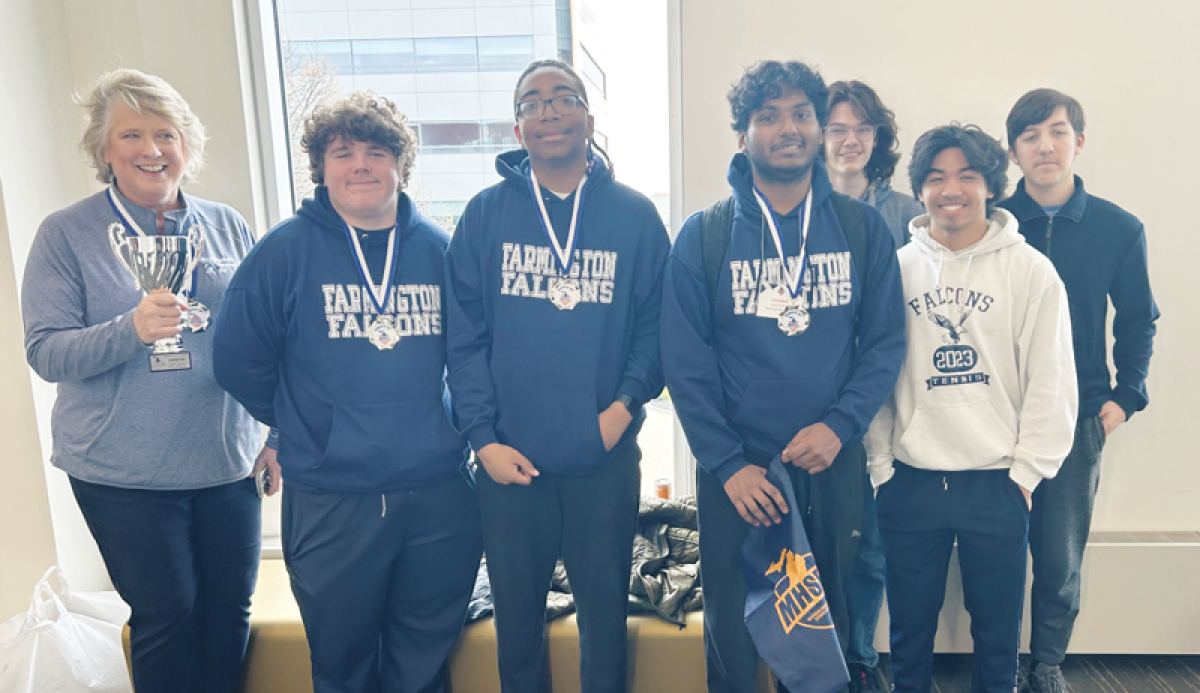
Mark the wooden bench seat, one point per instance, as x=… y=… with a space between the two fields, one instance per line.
x=663 y=658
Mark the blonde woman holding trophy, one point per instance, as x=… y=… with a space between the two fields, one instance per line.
x=118 y=292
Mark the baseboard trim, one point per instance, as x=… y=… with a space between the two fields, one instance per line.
x=1138 y=597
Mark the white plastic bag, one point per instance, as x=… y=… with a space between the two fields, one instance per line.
x=68 y=642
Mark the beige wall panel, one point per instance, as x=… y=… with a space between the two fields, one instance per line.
x=39 y=170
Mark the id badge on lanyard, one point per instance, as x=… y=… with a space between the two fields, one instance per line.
x=781 y=302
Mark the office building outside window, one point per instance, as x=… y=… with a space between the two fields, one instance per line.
x=451 y=66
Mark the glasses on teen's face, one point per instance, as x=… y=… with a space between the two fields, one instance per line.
x=564 y=105
x=839 y=133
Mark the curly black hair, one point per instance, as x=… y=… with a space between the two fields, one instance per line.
x=983 y=153
x=769 y=79
x=867 y=107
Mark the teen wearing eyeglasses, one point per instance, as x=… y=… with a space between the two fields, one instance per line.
x=861 y=152
x=554 y=280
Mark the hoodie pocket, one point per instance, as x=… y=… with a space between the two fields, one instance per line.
x=962 y=436
x=555 y=428
x=371 y=438
x=772 y=412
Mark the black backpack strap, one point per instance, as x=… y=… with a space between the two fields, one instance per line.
x=716 y=225
x=854 y=226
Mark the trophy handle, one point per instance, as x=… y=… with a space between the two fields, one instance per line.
x=195 y=248
x=195 y=240
x=119 y=241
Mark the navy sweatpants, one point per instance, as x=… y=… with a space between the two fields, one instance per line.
x=921 y=514
x=382 y=581
x=186 y=563
x=589 y=520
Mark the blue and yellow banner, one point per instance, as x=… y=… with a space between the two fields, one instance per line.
x=786 y=611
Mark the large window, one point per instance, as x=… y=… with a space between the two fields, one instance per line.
x=336 y=53
x=591 y=71
x=465 y=138
x=407 y=55
x=562 y=15
x=462 y=119
x=382 y=56
x=505 y=52
x=447 y=54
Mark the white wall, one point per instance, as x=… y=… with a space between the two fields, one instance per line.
x=39 y=171
x=935 y=61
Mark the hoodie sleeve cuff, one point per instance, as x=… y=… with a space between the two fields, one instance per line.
x=841 y=425
x=728 y=468
x=1130 y=405
x=272 y=440
x=631 y=388
x=481 y=437
x=881 y=469
x=1024 y=475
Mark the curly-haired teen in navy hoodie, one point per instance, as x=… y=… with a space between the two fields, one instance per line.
x=334 y=333
x=553 y=288
x=745 y=389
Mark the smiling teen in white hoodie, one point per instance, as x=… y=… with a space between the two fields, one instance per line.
x=984 y=409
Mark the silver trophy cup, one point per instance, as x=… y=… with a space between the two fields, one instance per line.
x=160 y=262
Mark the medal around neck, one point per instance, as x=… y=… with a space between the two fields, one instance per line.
x=565 y=293
x=160 y=263
x=793 y=282
x=383 y=334
x=793 y=321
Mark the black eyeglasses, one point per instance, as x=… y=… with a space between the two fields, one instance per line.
x=564 y=105
x=838 y=133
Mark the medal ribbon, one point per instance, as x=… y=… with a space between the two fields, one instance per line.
x=132 y=227
x=793 y=283
x=378 y=292
x=564 y=257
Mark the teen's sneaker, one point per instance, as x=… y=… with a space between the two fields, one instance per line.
x=865 y=678
x=1046 y=679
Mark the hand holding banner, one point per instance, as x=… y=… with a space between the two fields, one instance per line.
x=786 y=611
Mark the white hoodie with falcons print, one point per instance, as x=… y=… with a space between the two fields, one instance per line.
x=989 y=379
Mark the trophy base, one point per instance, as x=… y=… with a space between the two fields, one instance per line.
x=174 y=361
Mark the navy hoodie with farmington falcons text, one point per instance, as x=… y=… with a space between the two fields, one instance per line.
x=741 y=385
x=525 y=373
x=291 y=345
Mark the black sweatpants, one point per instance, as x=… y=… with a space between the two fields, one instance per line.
x=589 y=520
x=831 y=503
